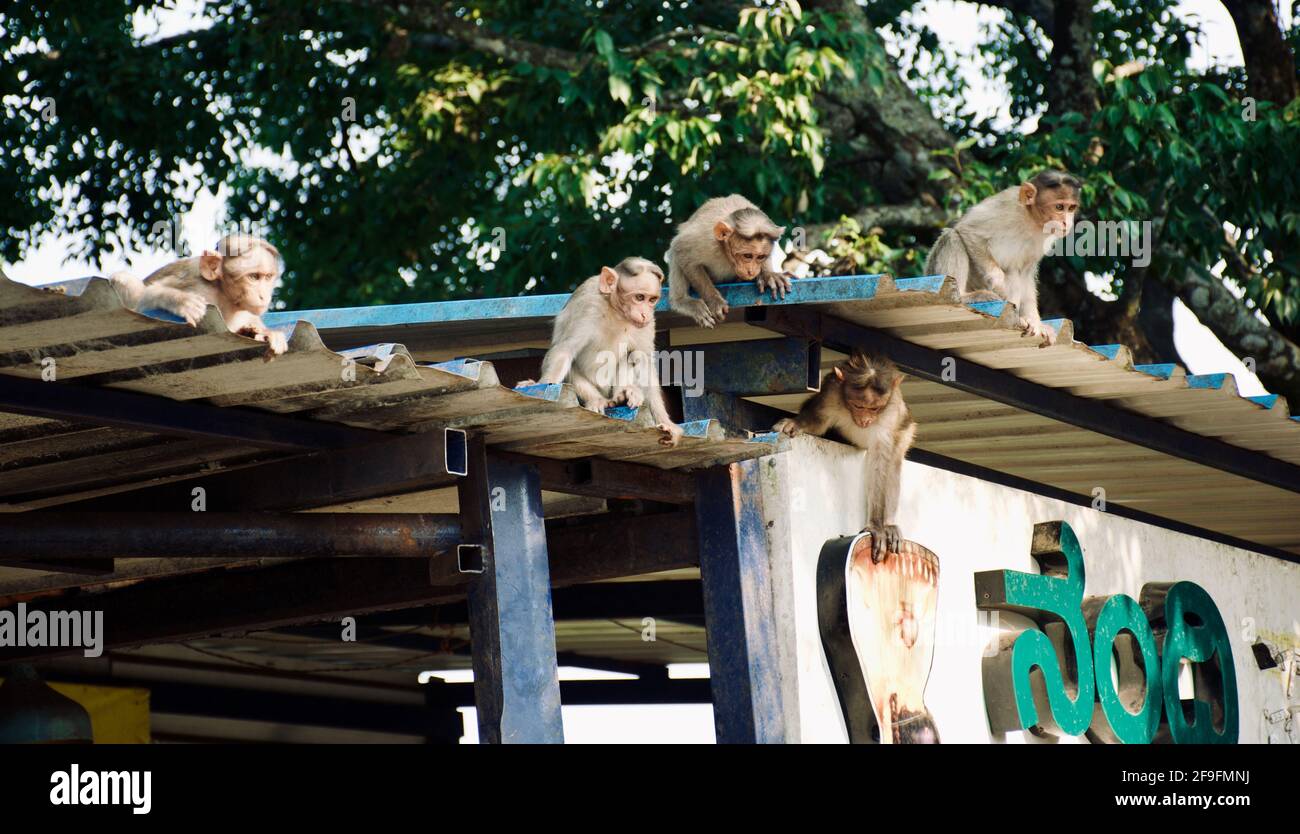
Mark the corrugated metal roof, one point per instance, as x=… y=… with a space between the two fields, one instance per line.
x=414 y=369
x=958 y=424
x=95 y=342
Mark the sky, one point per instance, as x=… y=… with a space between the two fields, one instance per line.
x=958 y=26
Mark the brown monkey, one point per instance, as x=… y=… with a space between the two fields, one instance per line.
x=860 y=401
x=727 y=238
x=238 y=279
x=604 y=340
x=994 y=249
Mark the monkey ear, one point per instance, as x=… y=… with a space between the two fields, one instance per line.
x=1027 y=193
x=839 y=373
x=898 y=379
x=722 y=231
x=777 y=232
x=210 y=265
x=608 y=280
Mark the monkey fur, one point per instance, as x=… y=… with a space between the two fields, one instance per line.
x=726 y=239
x=860 y=403
x=994 y=250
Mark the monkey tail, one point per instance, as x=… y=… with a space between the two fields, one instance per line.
x=949 y=257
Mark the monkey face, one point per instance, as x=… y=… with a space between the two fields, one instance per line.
x=866 y=391
x=865 y=402
x=635 y=297
x=748 y=255
x=249 y=279
x=1053 y=201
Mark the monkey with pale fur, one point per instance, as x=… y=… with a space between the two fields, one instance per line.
x=237 y=279
x=727 y=238
x=994 y=250
x=604 y=339
x=860 y=403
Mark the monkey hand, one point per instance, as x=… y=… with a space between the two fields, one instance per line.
x=188 y=305
x=702 y=313
x=276 y=343
x=777 y=282
x=670 y=434
x=1038 y=330
x=596 y=404
x=886 y=538
x=788 y=426
x=630 y=395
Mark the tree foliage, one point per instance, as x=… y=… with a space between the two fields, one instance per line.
x=403 y=151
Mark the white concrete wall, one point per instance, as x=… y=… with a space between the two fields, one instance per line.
x=814 y=493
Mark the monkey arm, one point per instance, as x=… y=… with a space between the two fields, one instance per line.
x=814 y=418
x=672 y=432
x=556 y=364
x=982 y=262
x=189 y=305
x=1024 y=286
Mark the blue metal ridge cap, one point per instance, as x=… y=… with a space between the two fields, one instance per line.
x=167 y=315
x=624 y=413
x=921 y=283
x=736 y=294
x=1162 y=370
x=802 y=291
x=462 y=367
x=1266 y=401
x=1108 y=351
x=988 y=308
x=549 y=391
x=1214 y=381
x=427 y=312
x=696 y=428
x=765 y=437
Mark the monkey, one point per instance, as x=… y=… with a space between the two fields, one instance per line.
x=238 y=279
x=603 y=343
x=994 y=250
x=725 y=239
x=860 y=401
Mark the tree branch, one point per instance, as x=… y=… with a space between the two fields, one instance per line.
x=1277 y=360
x=1270 y=64
x=478 y=37
x=918 y=215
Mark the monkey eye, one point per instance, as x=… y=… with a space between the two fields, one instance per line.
x=1060 y=206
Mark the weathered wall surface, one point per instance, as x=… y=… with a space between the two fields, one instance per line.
x=814 y=493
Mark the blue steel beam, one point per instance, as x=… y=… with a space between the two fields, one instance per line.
x=739 y=614
x=759 y=367
x=739 y=294
x=512 y=628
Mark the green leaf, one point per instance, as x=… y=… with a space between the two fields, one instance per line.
x=619 y=89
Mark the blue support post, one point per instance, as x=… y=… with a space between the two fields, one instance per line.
x=736 y=577
x=512 y=629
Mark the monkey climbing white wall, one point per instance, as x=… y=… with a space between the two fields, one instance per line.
x=814 y=492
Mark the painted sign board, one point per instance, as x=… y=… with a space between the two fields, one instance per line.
x=1131 y=632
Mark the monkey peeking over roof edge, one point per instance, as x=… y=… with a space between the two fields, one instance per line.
x=860 y=403
x=727 y=238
